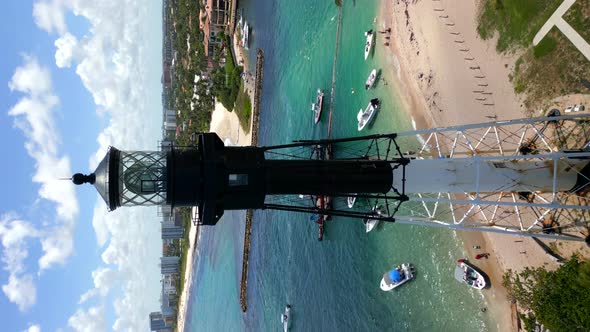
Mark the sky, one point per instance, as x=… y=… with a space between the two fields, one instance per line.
x=75 y=77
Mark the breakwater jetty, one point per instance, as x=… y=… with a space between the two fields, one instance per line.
x=250 y=213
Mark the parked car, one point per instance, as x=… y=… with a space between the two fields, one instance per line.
x=575 y=108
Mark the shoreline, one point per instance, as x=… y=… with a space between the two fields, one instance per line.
x=227 y=125
x=432 y=57
x=194 y=236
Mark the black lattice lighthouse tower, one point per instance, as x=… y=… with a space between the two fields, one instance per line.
x=527 y=177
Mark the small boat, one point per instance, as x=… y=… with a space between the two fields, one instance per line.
x=467 y=273
x=350 y=201
x=371 y=223
x=317 y=106
x=371 y=79
x=240 y=22
x=286 y=318
x=320 y=220
x=397 y=277
x=245 y=35
x=369 y=43
x=364 y=118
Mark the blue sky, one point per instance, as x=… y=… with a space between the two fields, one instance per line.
x=77 y=76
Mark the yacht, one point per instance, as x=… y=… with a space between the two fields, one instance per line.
x=369 y=43
x=466 y=272
x=245 y=35
x=397 y=277
x=371 y=79
x=286 y=318
x=317 y=106
x=364 y=118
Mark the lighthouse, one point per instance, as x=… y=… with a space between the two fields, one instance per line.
x=476 y=177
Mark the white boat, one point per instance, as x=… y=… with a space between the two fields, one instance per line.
x=371 y=223
x=465 y=272
x=350 y=201
x=245 y=35
x=317 y=106
x=240 y=22
x=369 y=43
x=397 y=277
x=371 y=79
x=286 y=318
x=364 y=118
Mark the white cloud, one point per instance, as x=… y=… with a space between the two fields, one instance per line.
x=104 y=279
x=117 y=68
x=33 y=115
x=34 y=328
x=21 y=290
x=90 y=320
x=66 y=46
x=49 y=16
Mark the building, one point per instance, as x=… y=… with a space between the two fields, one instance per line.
x=169 y=123
x=157 y=322
x=171 y=231
x=169 y=264
x=214 y=17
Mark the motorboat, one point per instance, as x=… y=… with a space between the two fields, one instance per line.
x=286 y=318
x=365 y=117
x=245 y=35
x=317 y=106
x=371 y=79
x=465 y=272
x=350 y=201
x=240 y=22
x=369 y=43
x=397 y=277
x=371 y=223
x=320 y=220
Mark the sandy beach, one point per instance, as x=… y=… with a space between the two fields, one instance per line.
x=227 y=125
x=446 y=75
x=188 y=277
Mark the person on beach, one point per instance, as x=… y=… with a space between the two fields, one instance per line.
x=480 y=256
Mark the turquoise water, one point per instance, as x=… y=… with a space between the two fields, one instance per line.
x=332 y=285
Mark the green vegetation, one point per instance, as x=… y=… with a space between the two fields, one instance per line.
x=578 y=16
x=551 y=69
x=244 y=109
x=190 y=63
x=184 y=248
x=226 y=80
x=517 y=21
x=558 y=299
x=546 y=46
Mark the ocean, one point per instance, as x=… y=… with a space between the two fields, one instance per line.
x=332 y=285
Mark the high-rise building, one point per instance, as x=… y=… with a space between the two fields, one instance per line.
x=169 y=120
x=169 y=264
x=157 y=322
x=171 y=232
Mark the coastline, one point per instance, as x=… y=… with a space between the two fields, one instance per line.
x=438 y=63
x=227 y=125
x=194 y=236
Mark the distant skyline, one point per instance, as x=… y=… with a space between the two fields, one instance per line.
x=78 y=76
